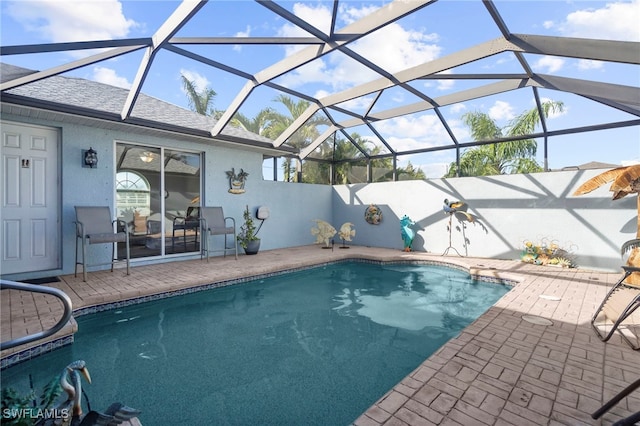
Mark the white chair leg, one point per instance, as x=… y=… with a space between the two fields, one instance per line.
x=208 y=251
x=128 y=254
x=114 y=246
x=75 y=268
x=84 y=260
x=235 y=242
x=224 y=251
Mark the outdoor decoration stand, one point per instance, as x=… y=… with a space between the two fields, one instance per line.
x=345 y=233
x=451 y=208
x=450 y=246
x=324 y=233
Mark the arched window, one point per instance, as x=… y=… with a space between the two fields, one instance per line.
x=132 y=194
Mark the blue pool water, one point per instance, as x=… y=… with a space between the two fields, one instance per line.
x=312 y=347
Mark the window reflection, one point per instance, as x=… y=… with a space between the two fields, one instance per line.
x=158 y=195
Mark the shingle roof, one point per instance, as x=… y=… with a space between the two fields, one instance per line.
x=91 y=95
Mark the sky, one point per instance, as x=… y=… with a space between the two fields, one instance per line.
x=435 y=31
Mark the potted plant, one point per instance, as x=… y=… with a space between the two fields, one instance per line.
x=247 y=236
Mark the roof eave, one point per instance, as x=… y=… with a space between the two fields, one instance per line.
x=202 y=136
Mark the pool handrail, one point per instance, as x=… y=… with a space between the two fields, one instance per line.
x=66 y=302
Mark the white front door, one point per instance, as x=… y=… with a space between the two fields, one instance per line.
x=30 y=232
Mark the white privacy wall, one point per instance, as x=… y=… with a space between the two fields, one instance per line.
x=507 y=209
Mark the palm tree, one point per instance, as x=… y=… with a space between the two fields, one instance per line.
x=626 y=180
x=505 y=157
x=258 y=124
x=202 y=103
x=410 y=172
x=345 y=150
x=342 y=149
x=302 y=137
x=199 y=101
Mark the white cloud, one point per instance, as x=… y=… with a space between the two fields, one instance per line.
x=549 y=64
x=357 y=104
x=445 y=85
x=587 y=64
x=501 y=111
x=434 y=165
x=319 y=17
x=69 y=20
x=393 y=48
x=433 y=170
x=615 y=21
x=200 y=82
x=109 y=76
x=412 y=126
x=247 y=33
x=313 y=72
x=351 y=14
x=415 y=131
x=458 y=108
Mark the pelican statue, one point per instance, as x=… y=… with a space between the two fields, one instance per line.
x=452 y=207
x=69 y=412
x=68 y=408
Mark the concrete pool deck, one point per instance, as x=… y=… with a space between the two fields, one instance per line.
x=501 y=370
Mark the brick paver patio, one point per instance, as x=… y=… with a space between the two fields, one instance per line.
x=501 y=370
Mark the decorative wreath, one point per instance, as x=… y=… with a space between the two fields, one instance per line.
x=373 y=214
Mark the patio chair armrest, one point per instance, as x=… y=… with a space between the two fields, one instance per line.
x=232 y=220
x=203 y=225
x=79 y=228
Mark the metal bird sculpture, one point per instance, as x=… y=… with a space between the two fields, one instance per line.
x=452 y=207
x=71 y=409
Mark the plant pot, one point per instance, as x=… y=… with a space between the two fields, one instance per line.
x=252 y=247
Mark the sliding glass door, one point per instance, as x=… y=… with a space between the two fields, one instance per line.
x=158 y=196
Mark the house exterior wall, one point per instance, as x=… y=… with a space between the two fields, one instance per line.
x=292 y=206
x=508 y=210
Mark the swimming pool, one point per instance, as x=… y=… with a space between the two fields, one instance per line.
x=317 y=346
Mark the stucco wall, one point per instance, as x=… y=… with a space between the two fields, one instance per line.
x=292 y=206
x=507 y=211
